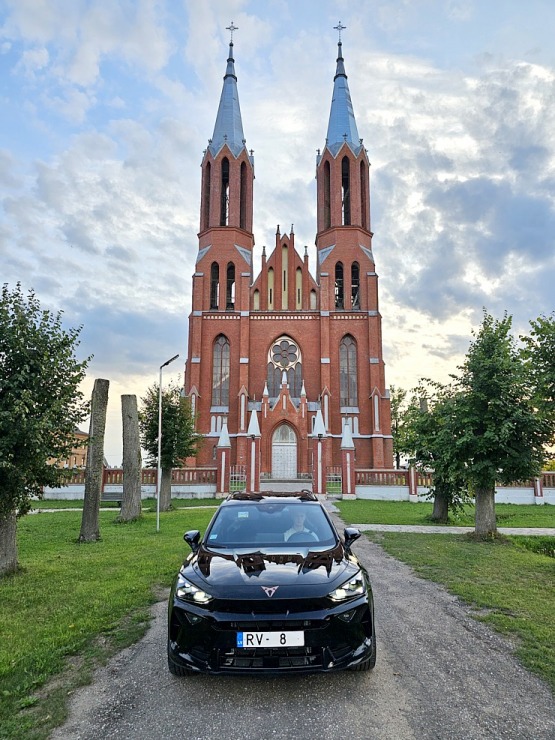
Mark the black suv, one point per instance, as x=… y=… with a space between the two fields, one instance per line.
x=271 y=588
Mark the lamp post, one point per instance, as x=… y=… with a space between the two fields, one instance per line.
x=320 y=482
x=159 y=471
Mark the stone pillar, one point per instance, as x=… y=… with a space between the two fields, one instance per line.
x=413 y=484
x=253 y=455
x=223 y=461
x=538 y=490
x=319 y=437
x=347 y=464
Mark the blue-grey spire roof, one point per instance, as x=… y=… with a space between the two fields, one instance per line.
x=342 y=125
x=229 y=127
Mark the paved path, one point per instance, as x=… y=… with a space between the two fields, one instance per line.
x=437 y=529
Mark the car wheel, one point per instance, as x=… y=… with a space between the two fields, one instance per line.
x=370 y=662
x=178 y=670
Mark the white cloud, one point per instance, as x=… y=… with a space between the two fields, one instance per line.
x=33 y=60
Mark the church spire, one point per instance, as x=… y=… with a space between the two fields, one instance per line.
x=342 y=126
x=229 y=126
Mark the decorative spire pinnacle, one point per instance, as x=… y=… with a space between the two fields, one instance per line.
x=229 y=126
x=342 y=126
x=232 y=28
x=338 y=28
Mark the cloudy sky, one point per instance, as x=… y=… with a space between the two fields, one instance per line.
x=106 y=107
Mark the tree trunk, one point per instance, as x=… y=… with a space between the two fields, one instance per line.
x=166 y=490
x=131 y=501
x=90 y=530
x=440 y=511
x=485 y=524
x=8 y=544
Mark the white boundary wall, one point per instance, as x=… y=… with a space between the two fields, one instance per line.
x=77 y=492
x=508 y=495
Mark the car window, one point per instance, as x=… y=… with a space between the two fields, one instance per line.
x=270 y=524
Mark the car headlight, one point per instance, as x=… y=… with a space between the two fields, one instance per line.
x=355 y=586
x=189 y=592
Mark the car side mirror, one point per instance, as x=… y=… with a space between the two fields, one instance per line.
x=351 y=534
x=192 y=538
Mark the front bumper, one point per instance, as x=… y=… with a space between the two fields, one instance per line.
x=336 y=638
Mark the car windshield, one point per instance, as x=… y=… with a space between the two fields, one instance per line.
x=280 y=524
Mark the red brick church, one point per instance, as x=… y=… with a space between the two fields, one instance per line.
x=285 y=361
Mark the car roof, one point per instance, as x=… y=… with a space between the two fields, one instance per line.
x=267 y=496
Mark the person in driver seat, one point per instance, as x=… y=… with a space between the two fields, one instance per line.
x=298 y=525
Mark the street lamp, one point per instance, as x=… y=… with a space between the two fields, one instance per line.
x=159 y=472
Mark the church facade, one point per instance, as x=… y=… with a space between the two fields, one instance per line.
x=286 y=357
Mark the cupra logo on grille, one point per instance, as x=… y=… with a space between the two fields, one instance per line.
x=269 y=591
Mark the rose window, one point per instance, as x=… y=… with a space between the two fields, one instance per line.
x=285 y=353
x=284 y=356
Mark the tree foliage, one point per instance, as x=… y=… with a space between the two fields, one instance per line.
x=498 y=436
x=398 y=397
x=429 y=428
x=491 y=424
x=539 y=355
x=40 y=402
x=179 y=438
x=501 y=437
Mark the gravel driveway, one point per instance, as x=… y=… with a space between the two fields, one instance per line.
x=440 y=674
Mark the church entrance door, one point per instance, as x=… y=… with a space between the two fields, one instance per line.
x=284 y=452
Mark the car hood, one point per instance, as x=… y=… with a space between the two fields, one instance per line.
x=300 y=570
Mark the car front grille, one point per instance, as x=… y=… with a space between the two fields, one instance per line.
x=262 y=625
x=271 y=658
x=268 y=606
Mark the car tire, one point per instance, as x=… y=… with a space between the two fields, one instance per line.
x=178 y=670
x=370 y=662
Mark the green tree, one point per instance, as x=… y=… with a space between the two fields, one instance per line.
x=179 y=438
x=428 y=441
x=398 y=398
x=539 y=355
x=497 y=434
x=40 y=407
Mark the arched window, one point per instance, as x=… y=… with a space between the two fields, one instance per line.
x=256 y=300
x=206 y=210
x=224 y=203
x=339 y=295
x=313 y=300
x=214 y=286
x=230 y=287
x=243 y=198
x=355 y=285
x=298 y=288
x=327 y=196
x=271 y=289
x=220 y=372
x=348 y=394
x=363 y=197
x=346 y=190
x=284 y=355
x=284 y=280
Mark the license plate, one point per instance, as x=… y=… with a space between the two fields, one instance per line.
x=269 y=639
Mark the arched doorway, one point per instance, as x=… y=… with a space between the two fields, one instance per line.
x=284 y=452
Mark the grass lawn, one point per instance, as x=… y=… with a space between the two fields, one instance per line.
x=405 y=512
x=512 y=587
x=73 y=605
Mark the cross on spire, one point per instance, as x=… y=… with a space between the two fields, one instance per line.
x=235 y=28
x=338 y=28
